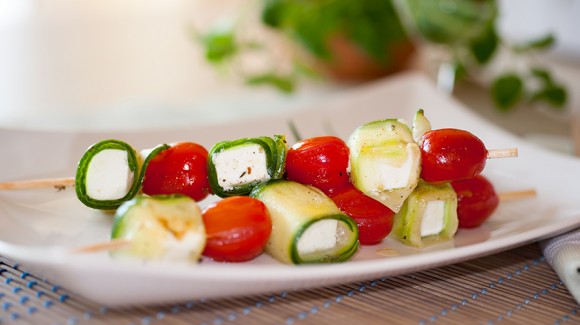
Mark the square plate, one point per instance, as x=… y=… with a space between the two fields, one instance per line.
x=38 y=228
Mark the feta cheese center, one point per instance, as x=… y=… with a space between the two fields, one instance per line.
x=187 y=248
x=432 y=222
x=108 y=175
x=241 y=165
x=392 y=176
x=320 y=236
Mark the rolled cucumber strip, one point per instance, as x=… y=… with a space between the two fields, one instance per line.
x=145 y=157
x=236 y=167
x=160 y=227
x=385 y=161
x=107 y=175
x=421 y=125
x=428 y=216
x=307 y=227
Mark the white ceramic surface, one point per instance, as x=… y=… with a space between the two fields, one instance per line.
x=38 y=228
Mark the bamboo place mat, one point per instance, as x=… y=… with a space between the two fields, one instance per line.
x=513 y=287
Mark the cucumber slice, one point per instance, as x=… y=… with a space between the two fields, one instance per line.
x=160 y=227
x=421 y=125
x=428 y=216
x=385 y=161
x=145 y=157
x=307 y=227
x=107 y=175
x=281 y=151
x=236 y=167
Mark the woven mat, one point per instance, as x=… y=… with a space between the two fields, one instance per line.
x=513 y=287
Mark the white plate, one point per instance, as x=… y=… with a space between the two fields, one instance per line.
x=38 y=228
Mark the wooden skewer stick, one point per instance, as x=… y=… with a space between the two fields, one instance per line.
x=517 y=195
x=109 y=246
x=502 y=153
x=104 y=246
x=38 y=183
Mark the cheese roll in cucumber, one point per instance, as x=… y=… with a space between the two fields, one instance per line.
x=107 y=175
x=385 y=161
x=236 y=167
x=307 y=227
x=428 y=216
x=160 y=227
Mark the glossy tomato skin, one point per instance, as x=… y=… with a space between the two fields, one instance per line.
x=320 y=161
x=374 y=220
x=182 y=168
x=476 y=201
x=451 y=154
x=238 y=228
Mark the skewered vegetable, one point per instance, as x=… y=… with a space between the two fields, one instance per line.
x=321 y=162
x=385 y=161
x=179 y=169
x=238 y=229
x=107 y=175
x=476 y=201
x=236 y=167
x=421 y=125
x=160 y=227
x=307 y=227
x=451 y=154
x=428 y=216
x=373 y=219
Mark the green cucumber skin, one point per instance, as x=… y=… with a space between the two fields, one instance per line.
x=342 y=255
x=122 y=215
x=82 y=168
x=287 y=229
x=388 y=132
x=157 y=150
x=407 y=226
x=281 y=151
x=270 y=148
x=421 y=125
x=140 y=220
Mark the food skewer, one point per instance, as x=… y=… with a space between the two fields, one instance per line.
x=502 y=153
x=387 y=159
x=62 y=182
x=58 y=183
x=517 y=195
x=114 y=244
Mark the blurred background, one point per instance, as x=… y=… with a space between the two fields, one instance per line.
x=129 y=64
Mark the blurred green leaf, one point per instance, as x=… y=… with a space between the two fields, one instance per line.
x=272 y=12
x=506 y=91
x=538 y=44
x=542 y=74
x=460 y=70
x=283 y=83
x=220 y=45
x=554 y=95
x=484 y=47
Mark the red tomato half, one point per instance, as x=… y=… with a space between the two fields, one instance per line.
x=476 y=201
x=182 y=168
x=450 y=155
x=374 y=220
x=238 y=228
x=321 y=162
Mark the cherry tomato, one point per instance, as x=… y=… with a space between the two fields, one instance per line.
x=374 y=220
x=451 y=154
x=182 y=168
x=476 y=201
x=321 y=162
x=238 y=228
